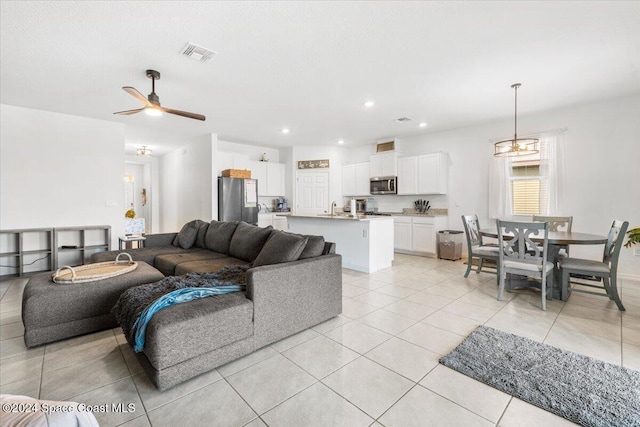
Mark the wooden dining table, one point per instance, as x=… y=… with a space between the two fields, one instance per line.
x=556 y=241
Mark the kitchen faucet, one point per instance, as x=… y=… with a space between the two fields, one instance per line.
x=333 y=207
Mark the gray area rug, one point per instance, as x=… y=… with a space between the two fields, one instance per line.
x=579 y=388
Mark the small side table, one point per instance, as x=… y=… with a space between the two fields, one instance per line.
x=126 y=242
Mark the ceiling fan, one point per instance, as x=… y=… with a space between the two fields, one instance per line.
x=152 y=102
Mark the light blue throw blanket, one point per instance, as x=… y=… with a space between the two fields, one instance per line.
x=172 y=298
x=137 y=305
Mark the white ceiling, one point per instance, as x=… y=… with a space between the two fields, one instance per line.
x=309 y=66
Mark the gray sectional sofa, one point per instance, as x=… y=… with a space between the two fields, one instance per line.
x=293 y=282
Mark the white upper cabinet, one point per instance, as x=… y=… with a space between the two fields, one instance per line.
x=426 y=174
x=407 y=175
x=226 y=160
x=384 y=164
x=362 y=179
x=349 y=180
x=259 y=172
x=275 y=179
x=433 y=173
x=270 y=177
x=355 y=179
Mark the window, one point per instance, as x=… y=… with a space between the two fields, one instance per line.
x=529 y=188
x=531 y=185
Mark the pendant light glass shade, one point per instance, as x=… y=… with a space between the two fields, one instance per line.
x=516 y=147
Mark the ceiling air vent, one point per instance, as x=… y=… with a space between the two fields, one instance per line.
x=197 y=52
x=403 y=120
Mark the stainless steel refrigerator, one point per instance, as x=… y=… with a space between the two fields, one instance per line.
x=238 y=200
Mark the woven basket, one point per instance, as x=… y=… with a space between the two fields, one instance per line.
x=94 y=272
x=236 y=173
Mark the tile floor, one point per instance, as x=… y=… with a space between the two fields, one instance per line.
x=376 y=364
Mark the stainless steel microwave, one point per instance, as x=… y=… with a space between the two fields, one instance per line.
x=383 y=185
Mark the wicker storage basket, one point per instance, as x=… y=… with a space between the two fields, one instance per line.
x=236 y=173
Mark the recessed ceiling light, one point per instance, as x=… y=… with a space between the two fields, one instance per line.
x=341 y=142
x=369 y=104
x=423 y=125
x=285 y=130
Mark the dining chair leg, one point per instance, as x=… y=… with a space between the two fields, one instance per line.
x=543 y=292
x=479 y=269
x=605 y=282
x=564 y=295
x=501 y=286
x=613 y=286
x=469 y=263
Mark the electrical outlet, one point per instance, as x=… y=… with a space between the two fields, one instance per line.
x=636 y=251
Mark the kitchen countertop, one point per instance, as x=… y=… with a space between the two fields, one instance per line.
x=412 y=212
x=343 y=217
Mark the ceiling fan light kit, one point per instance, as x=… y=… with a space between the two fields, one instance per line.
x=517 y=146
x=144 y=151
x=151 y=103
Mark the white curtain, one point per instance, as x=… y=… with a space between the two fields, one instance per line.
x=499 y=191
x=552 y=169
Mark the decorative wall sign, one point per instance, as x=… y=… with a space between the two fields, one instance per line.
x=313 y=164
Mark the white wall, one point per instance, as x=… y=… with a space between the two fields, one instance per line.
x=254 y=152
x=186 y=185
x=602 y=147
x=59 y=170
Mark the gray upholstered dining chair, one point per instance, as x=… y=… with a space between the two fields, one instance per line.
x=520 y=255
x=475 y=247
x=557 y=223
x=604 y=271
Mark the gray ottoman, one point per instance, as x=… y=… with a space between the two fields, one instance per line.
x=51 y=312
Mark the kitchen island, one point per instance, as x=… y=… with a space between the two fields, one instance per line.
x=365 y=242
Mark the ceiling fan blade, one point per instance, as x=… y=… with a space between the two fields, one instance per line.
x=127 y=112
x=183 y=113
x=134 y=92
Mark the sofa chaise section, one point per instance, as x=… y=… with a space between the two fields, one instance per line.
x=280 y=300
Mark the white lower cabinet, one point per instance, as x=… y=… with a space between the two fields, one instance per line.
x=279 y=222
x=417 y=234
x=424 y=236
x=264 y=220
x=274 y=219
x=402 y=233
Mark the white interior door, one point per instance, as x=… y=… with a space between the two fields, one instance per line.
x=312 y=195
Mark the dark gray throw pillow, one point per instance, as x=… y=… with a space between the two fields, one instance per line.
x=281 y=247
x=314 y=248
x=248 y=240
x=187 y=235
x=202 y=232
x=219 y=235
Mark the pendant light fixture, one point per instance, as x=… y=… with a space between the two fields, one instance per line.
x=144 y=151
x=517 y=146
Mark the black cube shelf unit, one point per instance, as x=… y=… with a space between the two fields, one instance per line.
x=34 y=250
